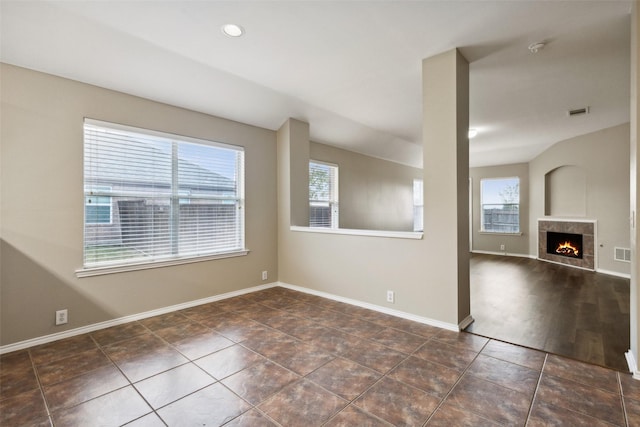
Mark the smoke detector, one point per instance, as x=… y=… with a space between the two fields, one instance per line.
x=536 y=47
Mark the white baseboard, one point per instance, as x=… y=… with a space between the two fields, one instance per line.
x=503 y=254
x=378 y=308
x=613 y=273
x=631 y=363
x=21 y=345
x=466 y=322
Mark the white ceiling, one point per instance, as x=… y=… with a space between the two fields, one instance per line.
x=352 y=69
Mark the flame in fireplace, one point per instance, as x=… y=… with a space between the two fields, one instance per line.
x=567 y=248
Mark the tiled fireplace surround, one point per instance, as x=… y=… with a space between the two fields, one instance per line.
x=585 y=227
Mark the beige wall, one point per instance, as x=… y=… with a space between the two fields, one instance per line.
x=487 y=242
x=374 y=194
x=42 y=208
x=429 y=276
x=604 y=157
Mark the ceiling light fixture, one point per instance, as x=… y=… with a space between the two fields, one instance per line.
x=536 y=47
x=232 y=30
x=473 y=133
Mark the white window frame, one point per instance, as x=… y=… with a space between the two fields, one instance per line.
x=238 y=249
x=333 y=202
x=483 y=204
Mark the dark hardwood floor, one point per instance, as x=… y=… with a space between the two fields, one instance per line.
x=563 y=310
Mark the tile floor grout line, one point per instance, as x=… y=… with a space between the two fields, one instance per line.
x=40 y=388
x=351 y=404
x=456 y=383
x=535 y=392
x=348 y=403
x=337 y=355
x=260 y=411
x=624 y=406
x=385 y=375
x=131 y=384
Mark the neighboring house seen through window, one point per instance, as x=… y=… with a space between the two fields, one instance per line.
x=154 y=197
x=500 y=201
x=97 y=205
x=323 y=195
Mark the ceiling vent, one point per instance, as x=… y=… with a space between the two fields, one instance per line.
x=578 y=111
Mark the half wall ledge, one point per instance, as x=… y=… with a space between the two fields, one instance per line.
x=414 y=235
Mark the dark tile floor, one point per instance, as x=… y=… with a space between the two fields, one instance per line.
x=283 y=358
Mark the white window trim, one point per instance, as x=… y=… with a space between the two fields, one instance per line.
x=99 y=271
x=412 y=235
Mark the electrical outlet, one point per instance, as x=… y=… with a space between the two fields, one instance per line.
x=265 y=275
x=502 y=247
x=62 y=317
x=391 y=296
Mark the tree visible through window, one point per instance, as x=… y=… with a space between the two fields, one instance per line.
x=154 y=197
x=500 y=200
x=323 y=195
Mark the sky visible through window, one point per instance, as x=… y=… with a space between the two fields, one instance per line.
x=492 y=189
x=210 y=158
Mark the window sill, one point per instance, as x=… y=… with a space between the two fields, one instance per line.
x=414 y=235
x=98 y=271
x=497 y=233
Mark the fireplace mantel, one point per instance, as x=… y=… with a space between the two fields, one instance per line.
x=586 y=227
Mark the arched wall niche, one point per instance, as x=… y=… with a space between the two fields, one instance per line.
x=565 y=192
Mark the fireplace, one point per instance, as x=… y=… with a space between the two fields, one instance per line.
x=567 y=241
x=564 y=244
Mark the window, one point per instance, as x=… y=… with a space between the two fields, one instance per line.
x=500 y=200
x=153 y=197
x=323 y=195
x=418 y=205
x=97 y=206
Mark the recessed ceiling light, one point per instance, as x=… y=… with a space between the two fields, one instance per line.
x=232 y=30
x=473 y=133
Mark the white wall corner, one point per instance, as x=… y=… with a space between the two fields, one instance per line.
x=631 y=363
x=466 y=322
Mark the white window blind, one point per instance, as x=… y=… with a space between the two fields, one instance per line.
x=323 y=195
x=169 y=197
